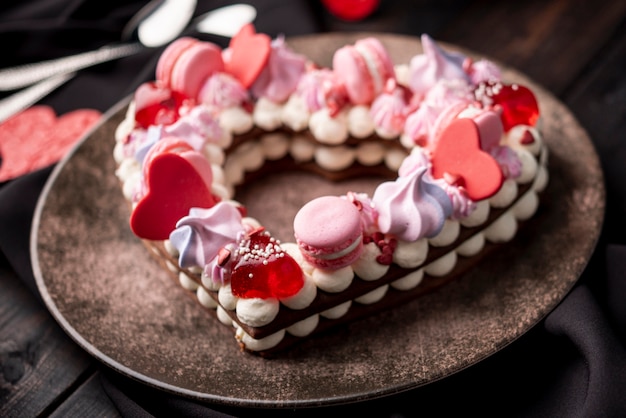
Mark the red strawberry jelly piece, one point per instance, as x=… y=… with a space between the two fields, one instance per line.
x=518 y=103
x=263 y=270
x=164 y=112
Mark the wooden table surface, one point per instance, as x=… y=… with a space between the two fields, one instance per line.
x=576 y=49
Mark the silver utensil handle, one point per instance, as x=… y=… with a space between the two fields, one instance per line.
x=19 y=101
x=27 y=74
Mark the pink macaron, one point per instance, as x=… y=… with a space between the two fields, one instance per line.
x=187 y=63
x=329 y=232
x=364 y=69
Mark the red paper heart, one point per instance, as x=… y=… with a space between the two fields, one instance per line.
x=174 y=185
x=458 y=155
x=35 y=138
x=264 y=270
x=249 y=53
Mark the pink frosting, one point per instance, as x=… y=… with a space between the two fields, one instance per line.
x=484 y=71
x=197 y=127
x=421 y=125
x=388 y=110
x=462 y=205
x=508 y=160
x=319 y=88
x=222 y=91
x=412 y=206
x=433 y=65
x=281 y=75
x=199 y=236
x=369 y=214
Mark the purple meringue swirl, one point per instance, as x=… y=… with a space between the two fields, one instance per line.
x=281 y=75
x=412 y=206
x=221 y=91
x=433 y=65
x=199 y=236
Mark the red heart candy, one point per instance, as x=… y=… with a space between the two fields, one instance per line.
x=35 y=138
x=169 y=196
x=518 y=103
x=264 y=270
x=458 y=155
x=249 y=53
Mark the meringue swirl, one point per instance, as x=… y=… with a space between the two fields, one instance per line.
x=412 y=206
x=199 y=236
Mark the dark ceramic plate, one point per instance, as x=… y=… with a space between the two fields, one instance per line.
x=112 y=298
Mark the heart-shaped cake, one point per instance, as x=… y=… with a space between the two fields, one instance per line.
x=460 y=148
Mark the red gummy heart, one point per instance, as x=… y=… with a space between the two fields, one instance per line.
x=174 y=185
x=263 y=270
x=518 y=103
x=249 y=53
x=36 y=138
x=157 y=105
x=458 y=155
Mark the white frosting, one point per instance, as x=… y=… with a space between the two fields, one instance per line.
x=260 y=344
x=257 y=312
x=526 y=206
x=370 y=153
x=185 y=281
x=236 y=120
x=529 y=166
x=304 y=297
x=478 y=216
x=472 y=246
x=333 y=281
x=541 y=181
x=448 y=234
x=275 y=146
x=208 y=282
x=327 y=129
x=411 y=254
x=267 y=114
x=226 y=298
x=394 y=159
x=334 y=158
x=441 y=266
x=337 y=311
x=215 y=154
x=502 y=229
x=360 y=122
x=223 y=316
x=516 y=134
x=301 y=149
x=296 y=114
x=366 y=267
x=409 y=281
x=505 y=196
x=304 y=327
x=373 y=296
x=205 y=299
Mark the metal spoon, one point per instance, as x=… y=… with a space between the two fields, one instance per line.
x=224 y=21
x=147 y=26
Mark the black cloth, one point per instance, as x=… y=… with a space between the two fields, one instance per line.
x=571 y=364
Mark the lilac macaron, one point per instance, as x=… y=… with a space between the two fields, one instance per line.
x=329 y=232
